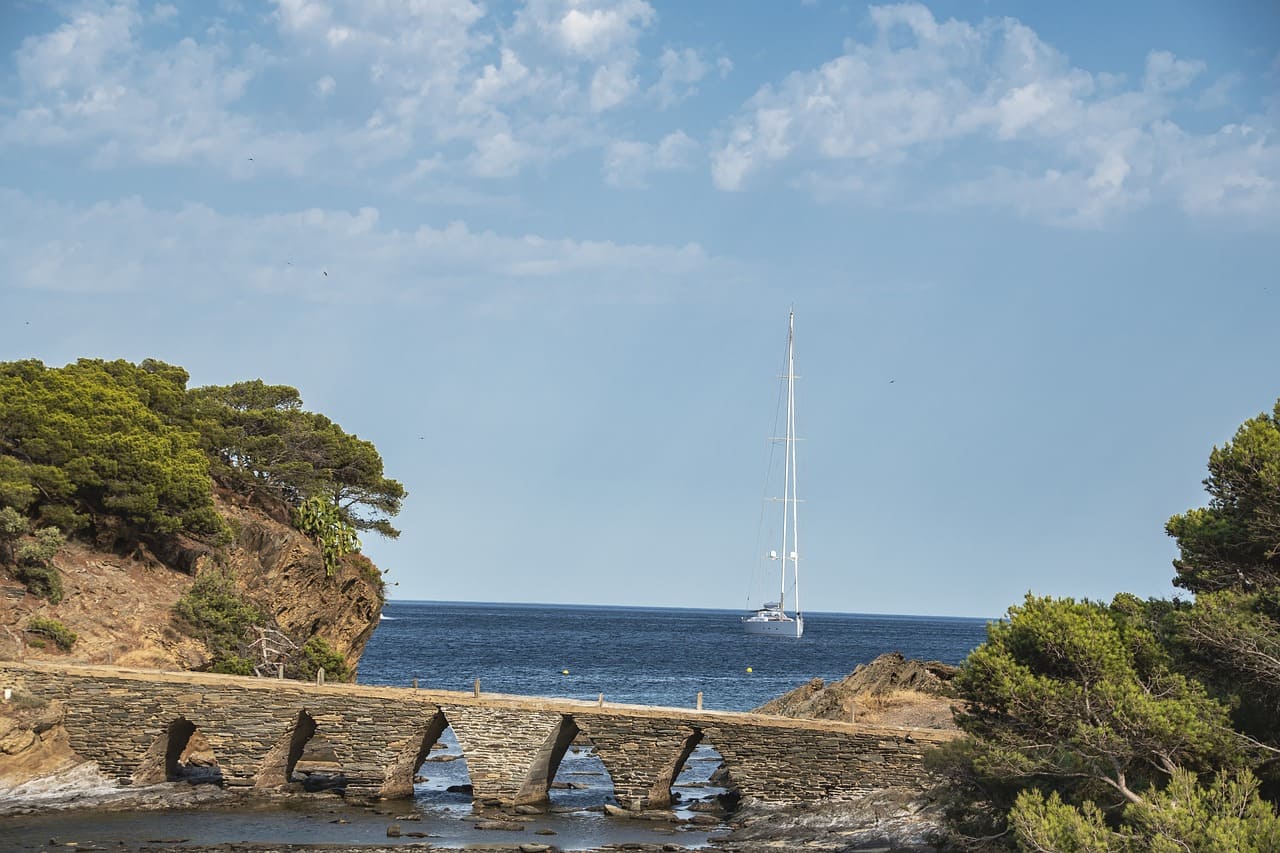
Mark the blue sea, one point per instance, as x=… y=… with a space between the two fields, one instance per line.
x=655 y=656
x=638 y=655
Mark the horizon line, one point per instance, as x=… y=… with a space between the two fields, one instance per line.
x=567 y=605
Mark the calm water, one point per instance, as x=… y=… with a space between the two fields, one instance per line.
x=651 y=656
x=645 y=655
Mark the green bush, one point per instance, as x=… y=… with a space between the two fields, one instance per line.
x=233 y=665
x=218 y=614
x=13 y=525
x=318 y=654
x=54 y=630
x=35 y=566
x=324 y=523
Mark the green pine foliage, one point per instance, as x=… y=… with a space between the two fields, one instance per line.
x=1085 y=697
x=126 y=453
x=1227 y=815
x=1234 y=542
x=78 y=442
x=1139 y=725
x=262 y=440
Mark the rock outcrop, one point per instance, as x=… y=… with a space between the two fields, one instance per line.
x=121 y=606
x=889 y=691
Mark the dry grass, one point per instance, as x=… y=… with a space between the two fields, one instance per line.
x=904 y=708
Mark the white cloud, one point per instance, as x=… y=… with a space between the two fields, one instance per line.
x=440 y=81
x=1087 y=146
x=628 y=164
x=92 y=84
x=586 y=29
x=680 y=72
x=128 y=246
x=611 y=85
x=71 y=55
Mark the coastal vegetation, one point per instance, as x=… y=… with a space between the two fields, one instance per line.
x=60 y=634
x=1138 y=725
x=125 y=459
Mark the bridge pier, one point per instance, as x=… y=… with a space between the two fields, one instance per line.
x=643 y=756
x=398 y=779
x=512 y=754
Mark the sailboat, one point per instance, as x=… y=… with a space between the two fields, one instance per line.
x=771 y=618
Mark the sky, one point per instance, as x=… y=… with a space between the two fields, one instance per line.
x=542 y=253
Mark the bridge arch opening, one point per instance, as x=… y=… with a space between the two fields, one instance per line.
x=582 y=781
x=438 y=774
x=701 y=780
x=302 y=755
x=180 y=753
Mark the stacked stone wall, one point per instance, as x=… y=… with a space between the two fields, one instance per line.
x=120 y=718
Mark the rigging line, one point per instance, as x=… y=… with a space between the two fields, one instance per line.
x=768 y=473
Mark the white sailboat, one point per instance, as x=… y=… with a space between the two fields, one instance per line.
x=771 y=618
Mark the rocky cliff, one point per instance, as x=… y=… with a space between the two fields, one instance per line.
x=121 y=606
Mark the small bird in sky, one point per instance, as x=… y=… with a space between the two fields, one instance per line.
x=250 y=159
x=326 y=273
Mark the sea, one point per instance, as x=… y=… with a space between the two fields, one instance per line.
x=642 y=655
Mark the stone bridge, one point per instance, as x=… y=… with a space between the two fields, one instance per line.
x=136 y=723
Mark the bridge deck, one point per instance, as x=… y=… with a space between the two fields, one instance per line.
x=136 y=722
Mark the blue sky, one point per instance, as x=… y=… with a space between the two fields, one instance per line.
x=541 y=254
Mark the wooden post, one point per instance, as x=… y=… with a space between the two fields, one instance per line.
x=600 y=701
x=699 y=700
x=415 y=684
x=279 y=670
x=477 y=687
x=320 y=675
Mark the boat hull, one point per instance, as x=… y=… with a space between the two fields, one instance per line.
x=774 y=627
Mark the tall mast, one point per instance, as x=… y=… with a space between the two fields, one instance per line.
x=788 y=469
x=791 y=447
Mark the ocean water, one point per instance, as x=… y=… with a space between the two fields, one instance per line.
x=639 y=655
x=652 y=656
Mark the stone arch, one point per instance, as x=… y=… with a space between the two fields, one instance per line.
x=179 y=752
x=278 y=764
x=701 y=771
x=582 y=779
x=404 y=768
x=546 y=761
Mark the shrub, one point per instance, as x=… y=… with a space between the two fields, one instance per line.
x=318 y=654
x=54 y=630
x=220 y=616
x=324 y=523
x=12 y=525
x=233 y=665
x=35 y=566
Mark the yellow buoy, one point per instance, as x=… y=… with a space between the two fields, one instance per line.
x=564 y=672
x=748 y=669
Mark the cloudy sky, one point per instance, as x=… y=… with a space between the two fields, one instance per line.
x=541 y=253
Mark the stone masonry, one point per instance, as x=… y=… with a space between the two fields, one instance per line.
x=135 y=724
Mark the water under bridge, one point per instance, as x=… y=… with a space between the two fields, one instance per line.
x=136 y=724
